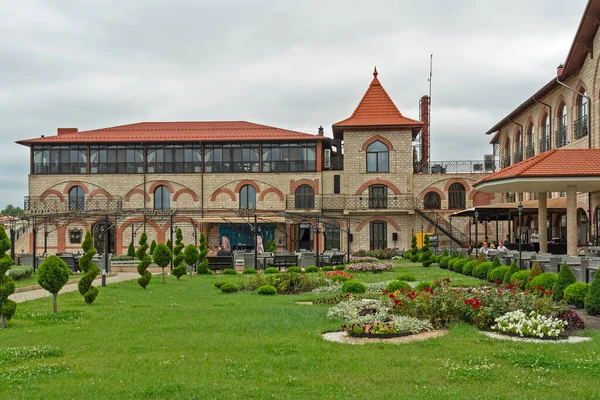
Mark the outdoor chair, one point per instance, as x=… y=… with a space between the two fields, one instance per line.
x=219 y=263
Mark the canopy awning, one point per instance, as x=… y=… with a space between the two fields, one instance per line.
x=501 y=210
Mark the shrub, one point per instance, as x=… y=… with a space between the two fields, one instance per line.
x=497 y=274
x=459 y=264
x=145 y=261
x=89 y=269
x=340 y=267
x=529 y=325
x=545 y=280
x=481 y=258
x=311 y=269
x=468 y=267
x=152 y=247
x=514 y=268
x=52 y=276
x=203 y=270
x=229 y=288
x=444 y=262
x=353 y=287
x=397 y=285
x=414 y=258
x=202 y=262
x=406 y=278
x=483 y=269
x=592 y=299
x=229 y=271
x=496 y=262
x=424 y=285
x=296 y=270
x=7 y=285
x=220 y=283
x=451 y=264
x=178 y=255
x=565 y=278
x=327 y=268
x=520 y=279
x=21 y=272
x=190 y=256
x=130 y=251
x=575 y=293
x=574 y=322
x=162 y=257
x=122 y=258
x=271 y=270
x=249 y=271
x=270 y=246
x=267 y=290
x=535 y=271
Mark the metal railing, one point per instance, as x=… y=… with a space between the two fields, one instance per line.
x=581 y=127
x=545 y=144
x=53 y=204
x=352 y=202
x=231 y=166
x=457 y=167
x=530 y=150
x=336 y=163
x=506 y=162
x=117 y=168
x=62 y=168
x=289 y=166
x=560 y=138
x=442 y=224
x=518 y=156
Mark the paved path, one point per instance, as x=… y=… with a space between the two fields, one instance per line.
x=72 y=287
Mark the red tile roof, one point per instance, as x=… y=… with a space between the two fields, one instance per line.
x=377 y=109
x=175 y=132
x=559 y=163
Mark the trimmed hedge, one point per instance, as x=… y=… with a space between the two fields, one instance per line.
x=266 y=290
x=229 y=271
x=535 y=271
x=406 y=278
x=327 y=268
x=20 y=272
x=468 y=267
x=229 y=288
x=565 y=278
x=520 y=278
x=575 y=293
x=220 y=283
x=397 y=285
x=424 y=285
x=545 y=280
x=513 y=269
x=444 y=262
x=458 y=265
x=592 y=299
x=249 y=271
x=497 y=274
x=311 y=269
x=271 y=270
x=340 y=267
x=297 y=270
x=354 y=287
x=483 y=269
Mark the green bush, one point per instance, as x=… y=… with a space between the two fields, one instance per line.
x=52 y=275
x=162 y=257
x=271 y=270
x=424 y=285
x=414 y=258
x=229 y=288
x=339 y=278
x=327 y=268
x=354 y=287
x=203 y=270
x=311 y=269
x=451 y=264
x=340 y=267
x=444 y=262
x=496 y=262
x=153 y=247
x=267 y=290
x=121 y=258
x=145 y=262
x=514 y=268
x=297 y=270
x=406 y=278
x=459 y=264
x=249 y=271
x=565 y=278
x=220 y=283
x=468 y=267
x=520 y=279
x=21 y=272
x=130 y=251
x=483 y=269
x=545 y=280
x=497 y=274
x=7 y=284
x=397 y=285
x=575 y=293
x=89 y=269
x=535 y=271
x=592 y=299
x=228 y=271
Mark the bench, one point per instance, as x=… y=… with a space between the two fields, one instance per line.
x=284 y=261
x=334 y=259
x=220 y=262
x=69 y=259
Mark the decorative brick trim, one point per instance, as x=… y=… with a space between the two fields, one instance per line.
x=457 y=180
x=381 y=218
x=294 y=185
x=247 y=182
x=99 y=191
x=161 y=183
x=431 y=189
x=480 y=198
x=188 y=191
x=377 y=182
x=136 y=191
x=140 y=219
x=70 y=185
x=52 y=192
x=341 y=223
x=217 y=192
x=375 y=139
x=271 y=190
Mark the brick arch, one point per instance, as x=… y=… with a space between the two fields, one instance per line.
x=96 y=192
x=161 y=183
x=518 y=134
x=377 y=182
x=271 y=190
x=543 y=115
x=376 y=138
x=580 y=85
x=561 y=100
x=121 y=228
x=381 y=218
x=61 y=233
x=54 y=192
x=481 y=198
x=70 y=185
x=457 y=180
x=136 y=191
x=341 y=223
x=167 y=223
x=312 y=183
x=247 y=182
x=185 y=190
x=217 y=192
x=432 y=189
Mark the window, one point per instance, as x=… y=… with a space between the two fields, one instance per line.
x=561 y=133
x=162 y=198
x=174 y=158
x=289 y=157
x=115 y=159
x=432 y=201
x=518 y=157
x=506 y=159
x=248 y=197
x=238 y=157
x=305 y=197
x=456 y=196
x=332 y=235
x=337 y=184
x=530 y=149
x=378 y=197
x=581 y=124
x=378 y=235
x=61 y=159
x=377 y=157
x=545 y=144
x=76 y=198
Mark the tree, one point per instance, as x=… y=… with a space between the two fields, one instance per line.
x=90 y=270
x=131 y=251
x=162 y=257
x=52 y=275
x=12 y=211
x=169 y=245
x=145 y=261
x=271 y=246
x=7 y=285
x=179 y=268
x=191 y=255
x=535 y=271
x=514 y=268
x=565 y=278
x=414 y=250
x=592 y=299
x=152 y=247
x=202 y=267
x=426 y=253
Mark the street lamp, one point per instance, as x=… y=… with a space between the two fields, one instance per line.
x=520 y=208
x=476 y=216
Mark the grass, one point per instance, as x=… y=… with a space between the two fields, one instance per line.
x=32 y=281
x=185 y=340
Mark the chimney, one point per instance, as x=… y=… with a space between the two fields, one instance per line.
x=321 y=131
x=66 y=131
x=425 y=130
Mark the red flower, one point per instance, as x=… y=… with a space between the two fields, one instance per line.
x=446 y=279
x=392 y=295
x=497 y=281
x=428 y=290
x=398 y=302
x=411 y=295
x=549 y=292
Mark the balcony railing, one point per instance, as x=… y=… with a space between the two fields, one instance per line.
x=457 y=167
x=560 y=139
x=530 y=150
x=232 y=166
x=53 y=204
x=289 y=166
x=545 y=144
x=506 y=162
x=335 y=164
x=353 y=202
x=581 y=127
x=518 y=156
x=62 y=168
x=117 y=168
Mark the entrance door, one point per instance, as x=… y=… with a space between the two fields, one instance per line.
x=98 y=233
x=301 y=236
x=378 y=235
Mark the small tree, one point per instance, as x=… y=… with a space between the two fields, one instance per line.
x=162 y=257
x=169 y=245
x=496 y=262
x=565 y=278
x=145 y=261
x=191 y=255
x=414 y=250
x=592 y=299
x=7 y=285
x=131 y=251
x=52 y=275
x=90 y=270
x=514 y=268
x=271 y=246
x=178 y=256
x=202 y=267
x=535 y=271
x=152 y=247
x=426 y=253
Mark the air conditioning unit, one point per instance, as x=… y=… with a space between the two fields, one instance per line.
x=327 y=158
x=477 y=167
x=490 y=162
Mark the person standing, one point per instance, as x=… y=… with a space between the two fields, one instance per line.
x=535 y=240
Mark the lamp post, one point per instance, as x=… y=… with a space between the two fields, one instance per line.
x=476 y=216
x=520 y=208
x=450 y=218
x=132 y=233
x=13 y=225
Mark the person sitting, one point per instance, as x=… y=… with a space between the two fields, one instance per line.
x=211 y=252
x=222 y=252
x=501 y=247
x=485 y=249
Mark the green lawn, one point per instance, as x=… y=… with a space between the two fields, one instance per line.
x=32 y=280
x=186 y=340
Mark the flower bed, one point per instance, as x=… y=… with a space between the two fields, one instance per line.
x=395 y=327
x=374 y=267
x=357 y=259
x=532 y=324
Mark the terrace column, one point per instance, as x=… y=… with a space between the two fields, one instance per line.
x=542 y=221
x=571 y=220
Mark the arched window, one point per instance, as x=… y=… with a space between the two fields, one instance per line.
x=378 y=197
x=432 y=201
x=378 y=235
x=332 y=235
x=530 y=149
x=162 y=198
x=377 y=157
x=304 y=197
x=76 y=198
x=248 y=197
x=545 y=134
x=563 y=123
x=581 y=124
x=506 y=159
x=518 y=147
x=456 y=196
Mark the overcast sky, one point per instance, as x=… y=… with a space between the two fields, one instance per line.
x=291 y=64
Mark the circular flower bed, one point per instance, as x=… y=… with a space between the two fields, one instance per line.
x=529 y=325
